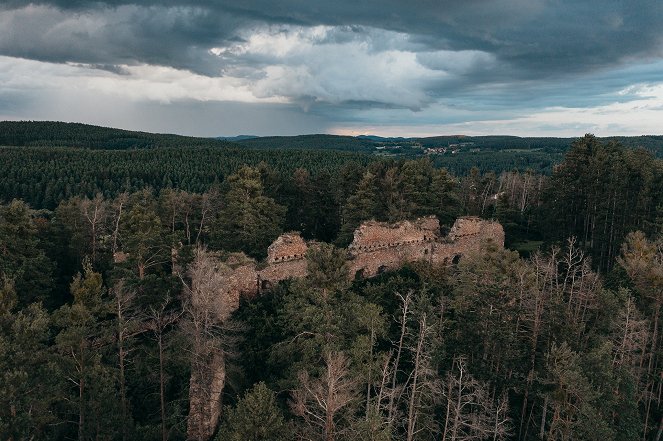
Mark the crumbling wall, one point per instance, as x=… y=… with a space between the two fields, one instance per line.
x=289 y=246
x=243 y=281
x=206 y=384
x=274 y=273
x=376 y=247
x=466 y=236
x=376 y=235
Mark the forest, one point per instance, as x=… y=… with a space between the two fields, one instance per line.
x=487 y=153
x=109 y=312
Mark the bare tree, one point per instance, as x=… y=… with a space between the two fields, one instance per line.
x=630 y=337
x=377 y=414
x=206 y=322
x=128 y=326
x=158 y=321
x=119 y=205
x=402 y=321
x=322 y=402
x=209 y=201
x=643 y=261
x=422 y=387
x=471 y=413
x=95 y=213
x=580 y=284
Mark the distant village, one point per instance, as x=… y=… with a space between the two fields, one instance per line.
x=452 y=148
x=388 y=148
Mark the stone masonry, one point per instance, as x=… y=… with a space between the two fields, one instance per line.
x=377 y=247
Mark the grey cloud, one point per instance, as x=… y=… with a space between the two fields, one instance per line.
x=179 y=36
x=492 y=55
x=544 y=38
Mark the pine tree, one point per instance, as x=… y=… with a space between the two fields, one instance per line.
x=87 y=382
x=363 y=205
x=256 y=417
x=248 y=221
x=21 y=258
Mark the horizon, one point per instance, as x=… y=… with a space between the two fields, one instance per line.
x=481 y=68
x=224 y=136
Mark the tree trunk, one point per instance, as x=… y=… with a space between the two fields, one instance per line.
x=81 y=392
x=162 y=398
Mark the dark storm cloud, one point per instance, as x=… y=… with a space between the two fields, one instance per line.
x=385 y=61
x=536 y=37
x=179 y=37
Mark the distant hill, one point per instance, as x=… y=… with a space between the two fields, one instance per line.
x=236 y=138
x=60 y=134
x=383 y=139
x=649 y=142
x=306 y=142
x=501 y=142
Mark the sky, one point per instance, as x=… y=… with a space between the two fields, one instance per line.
x=384 y=67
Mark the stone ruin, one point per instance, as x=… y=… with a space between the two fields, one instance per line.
x=377 y=247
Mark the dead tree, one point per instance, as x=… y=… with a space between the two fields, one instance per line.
x=322 y=402
x=471 y=413
x=158 y=321
x=206 y=322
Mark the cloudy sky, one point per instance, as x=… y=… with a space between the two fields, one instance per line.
x=388 y=67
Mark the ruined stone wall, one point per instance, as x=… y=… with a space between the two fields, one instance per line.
x=375 y=235
x=377 y=247
x=369 y=262
x=274 y=273
x=466 y=236
x=243 y=281
x=289 y=246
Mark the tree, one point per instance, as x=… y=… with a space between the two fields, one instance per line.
x=27 y=389
x=79 y=347
x=470 y=411
x=444 y=198
x=206 y=322
x=21 y=258
x=95 y=214
x=248 y=220
x=256 y=417
x=643 y=261
x=599 y=193
x=363 y=205
x=324 y=403
x=159 y=319
x=128 y=327
x=142 y=236
x=575 y=402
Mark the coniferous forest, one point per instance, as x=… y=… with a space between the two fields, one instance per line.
x=558 y=336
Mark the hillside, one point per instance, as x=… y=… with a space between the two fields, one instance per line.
x=325 y=142
x=60 y=134
x=458 y=153
x=372 y=143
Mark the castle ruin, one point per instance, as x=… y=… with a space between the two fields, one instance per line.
x=376 y=247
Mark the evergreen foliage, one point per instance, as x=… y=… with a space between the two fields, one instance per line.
x=100 y=330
